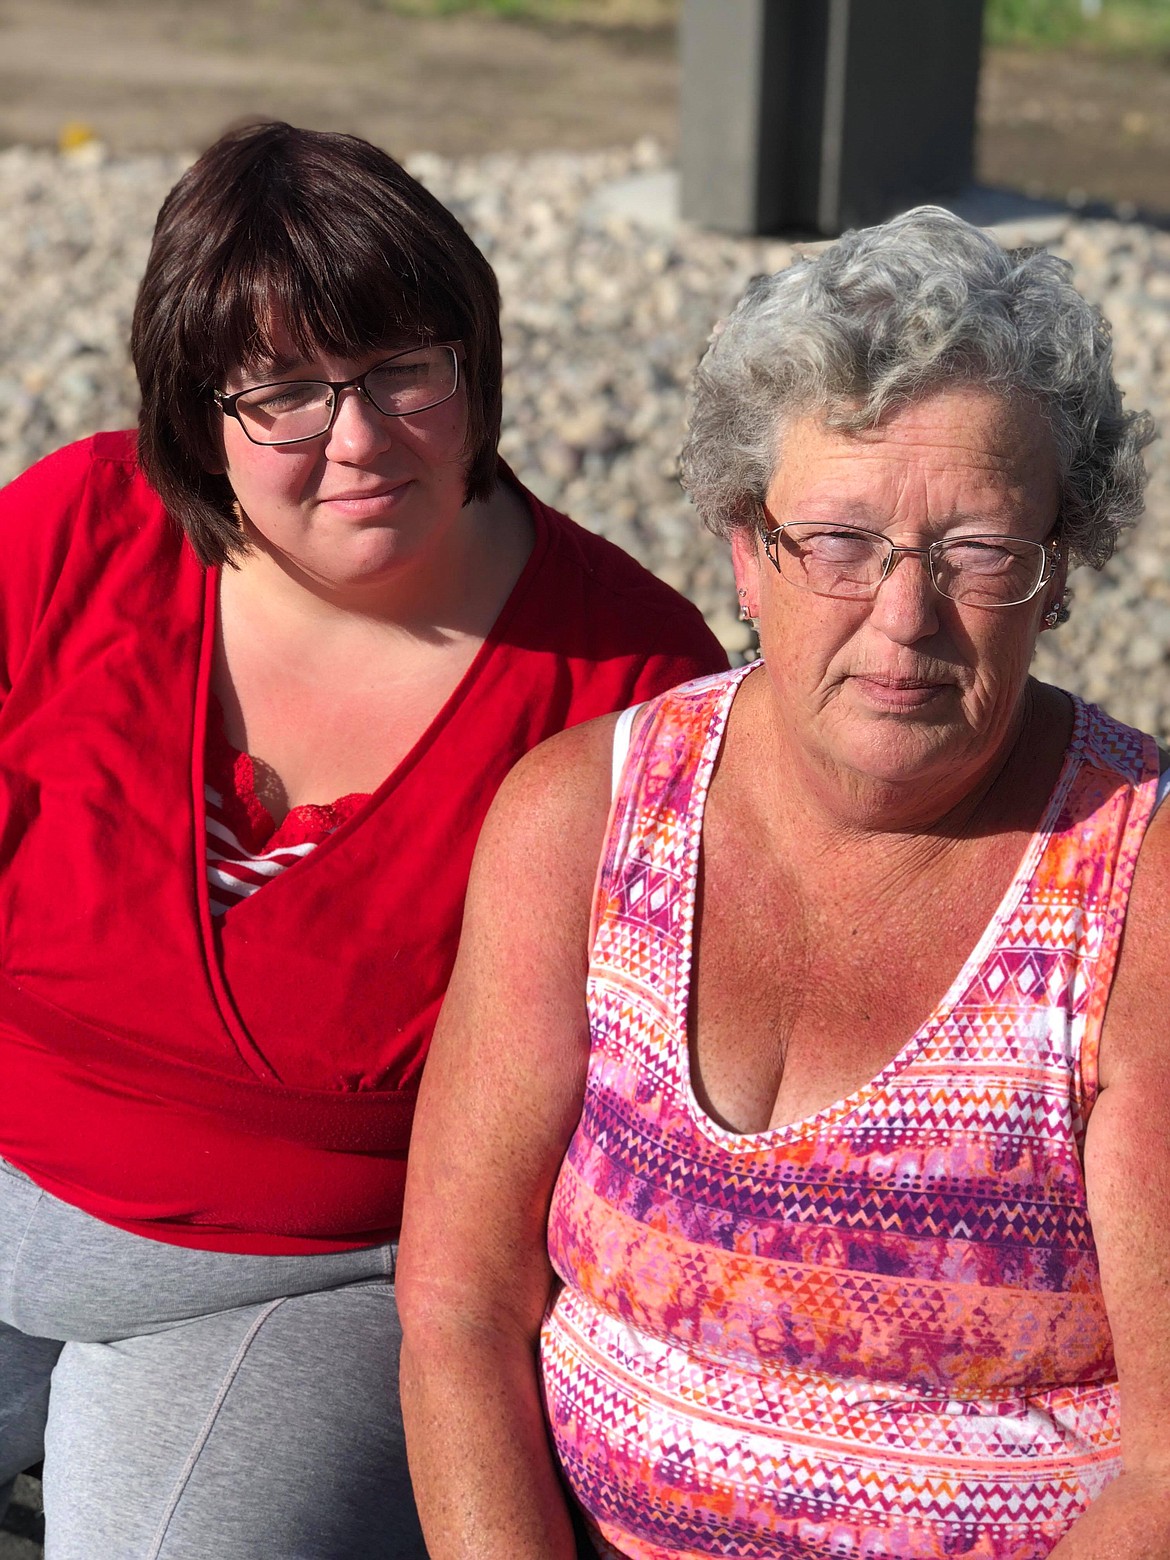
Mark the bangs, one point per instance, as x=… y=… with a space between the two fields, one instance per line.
x=291 y=293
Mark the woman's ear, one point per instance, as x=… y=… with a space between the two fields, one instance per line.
x=745 y=560
x=1056 y=595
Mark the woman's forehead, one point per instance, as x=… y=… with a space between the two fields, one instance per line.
x=962 y=425
x=278 y=354
x=968 y=449
x=273 y=332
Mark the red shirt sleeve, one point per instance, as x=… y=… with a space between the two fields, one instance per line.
x=606 y=609
x=38 y=530
x=667 y=671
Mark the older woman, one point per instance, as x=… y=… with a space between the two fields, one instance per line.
x=845 y=1091
x=261 y=672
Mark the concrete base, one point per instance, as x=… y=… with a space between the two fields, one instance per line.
x=651 y=201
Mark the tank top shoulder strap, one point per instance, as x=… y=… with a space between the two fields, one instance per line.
x=622 y=732
x=664 y=752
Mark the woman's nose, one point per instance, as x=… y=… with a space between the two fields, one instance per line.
x=358 y=426
x=905 y=606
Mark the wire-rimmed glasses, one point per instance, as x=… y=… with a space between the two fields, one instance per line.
x=850 y=563
x=290 y=411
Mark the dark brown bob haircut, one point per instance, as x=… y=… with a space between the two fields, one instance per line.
x=323 y=237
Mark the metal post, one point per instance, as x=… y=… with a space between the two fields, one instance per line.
x=824 y=114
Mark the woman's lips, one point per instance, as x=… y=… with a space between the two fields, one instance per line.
x=360 y=501
x=900 y=693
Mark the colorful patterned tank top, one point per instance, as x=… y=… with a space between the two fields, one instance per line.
x=877 y=1332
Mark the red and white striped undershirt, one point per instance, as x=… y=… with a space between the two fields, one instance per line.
x=245 y=848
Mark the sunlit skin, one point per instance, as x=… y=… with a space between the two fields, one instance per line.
x=375 y=499
x=368 y=588
x=909 y=692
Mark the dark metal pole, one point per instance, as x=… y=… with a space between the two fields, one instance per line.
x=823 y=114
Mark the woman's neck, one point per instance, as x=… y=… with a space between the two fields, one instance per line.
x=331 y=689
x=809 y=799
x=449 y=591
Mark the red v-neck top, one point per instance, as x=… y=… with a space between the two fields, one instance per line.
x=251 y=1088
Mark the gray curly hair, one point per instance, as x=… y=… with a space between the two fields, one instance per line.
x=890 y=314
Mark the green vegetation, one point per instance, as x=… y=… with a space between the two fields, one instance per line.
x=1111 y=26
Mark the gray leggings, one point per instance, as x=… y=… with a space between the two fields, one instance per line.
x=194 y=1404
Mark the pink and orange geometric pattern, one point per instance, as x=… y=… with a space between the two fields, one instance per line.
x=878 y=1332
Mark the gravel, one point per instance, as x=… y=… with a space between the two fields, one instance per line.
x=604 y=318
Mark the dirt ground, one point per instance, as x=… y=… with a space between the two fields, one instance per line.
x=164 y=74
x=144 y=75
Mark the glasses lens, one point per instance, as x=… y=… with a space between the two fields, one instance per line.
x=413 y=381
x=988 y=571
x=280 y=414
x=831 y=560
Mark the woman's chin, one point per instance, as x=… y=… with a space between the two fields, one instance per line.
x=912 y=754
x=361 y=560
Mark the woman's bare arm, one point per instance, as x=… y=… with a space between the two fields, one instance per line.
x=499 y=1103
x=1127 y=1173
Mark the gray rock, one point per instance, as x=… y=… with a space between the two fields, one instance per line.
x=607 y=305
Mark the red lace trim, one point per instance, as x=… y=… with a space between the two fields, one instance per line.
x=233 y=774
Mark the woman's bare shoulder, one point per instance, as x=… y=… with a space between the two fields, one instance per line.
x=526 y=919
x=555 y=802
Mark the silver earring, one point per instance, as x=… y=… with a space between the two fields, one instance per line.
x=744 y=614
x=1058 y=612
